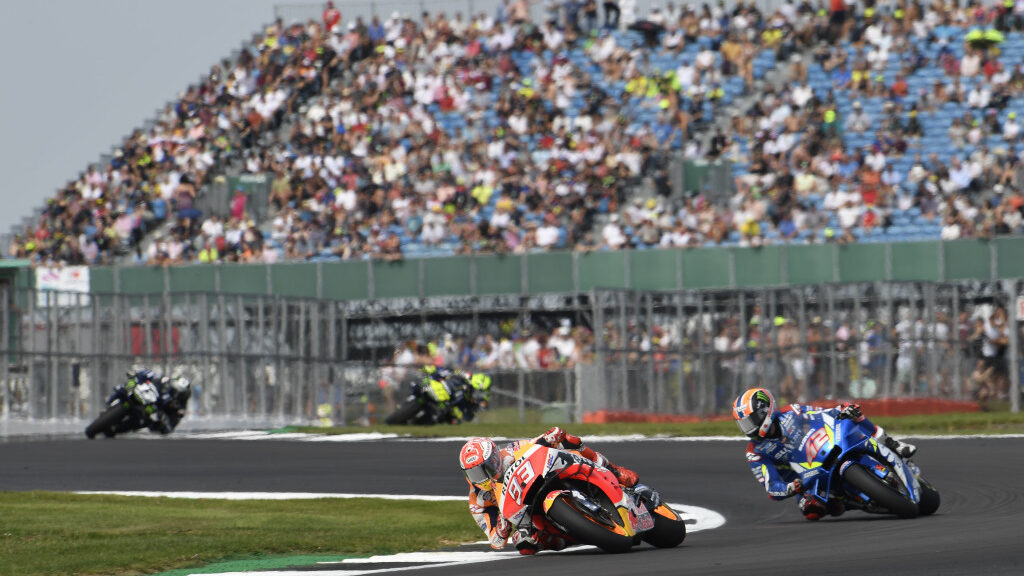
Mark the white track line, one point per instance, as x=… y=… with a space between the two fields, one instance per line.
x=704 y=518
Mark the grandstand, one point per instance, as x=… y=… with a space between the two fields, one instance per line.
x=391 y=138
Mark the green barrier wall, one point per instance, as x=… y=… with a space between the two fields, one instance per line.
x=573 y=272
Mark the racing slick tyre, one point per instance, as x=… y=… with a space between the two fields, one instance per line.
x=403 y=413
x=583 y=528
x=106 y=422
x=929 y=502
x=669 y=529
x=880 y=492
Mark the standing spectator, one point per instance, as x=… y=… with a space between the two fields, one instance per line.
x=612 y=13
x=612 y=234
x=332 y=16
x=993 y=354
x=564 y=344
x=238 y=204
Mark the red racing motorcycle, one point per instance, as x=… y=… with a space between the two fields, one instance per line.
x=585 y=502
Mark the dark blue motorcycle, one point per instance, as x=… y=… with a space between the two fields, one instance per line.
x=132 y=406
x=837 y=460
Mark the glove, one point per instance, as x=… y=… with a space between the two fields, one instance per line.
x=794 y=487
x=504 y=528
x=625 y=476
x=524 y=542
x=850 y=412
x=554 y=436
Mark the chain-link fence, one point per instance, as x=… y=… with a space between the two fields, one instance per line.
x=694 y=352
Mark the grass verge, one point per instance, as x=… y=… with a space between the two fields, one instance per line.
x=55 y=533
x=949 y=423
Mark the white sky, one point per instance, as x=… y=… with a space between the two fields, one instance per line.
x=79 y=75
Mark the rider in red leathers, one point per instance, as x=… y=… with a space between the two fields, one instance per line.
x=484 y=464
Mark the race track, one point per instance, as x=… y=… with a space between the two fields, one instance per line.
x=979 y=529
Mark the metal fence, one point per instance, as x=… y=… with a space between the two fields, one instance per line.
x=259 y=359
x=276 y=360
x=694 y=352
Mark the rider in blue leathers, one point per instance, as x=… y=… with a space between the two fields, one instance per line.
x=768 y=451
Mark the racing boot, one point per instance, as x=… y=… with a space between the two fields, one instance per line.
x=903 y=449
x=814 y=509
x=524 y=542
x=529 y=542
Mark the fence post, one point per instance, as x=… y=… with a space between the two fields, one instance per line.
x=599 y=347
x=344 y=367
x=261 y=354
x=29 y=339
x=577 y=402
x=521 y=394
x=1010 y=286
x=241 y=364
x=52 y=363
x=5 y=346
x=832 y=338
x=223 y=390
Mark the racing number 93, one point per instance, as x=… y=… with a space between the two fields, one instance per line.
x=520 y=478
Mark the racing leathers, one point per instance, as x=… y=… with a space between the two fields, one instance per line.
x=462 y=403
x=769 y=457
x=540 y=534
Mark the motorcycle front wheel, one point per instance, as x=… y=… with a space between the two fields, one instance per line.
x=582 y=527
x=929 y=499
x=106 y=421
x=880 y=492
x=669 y=529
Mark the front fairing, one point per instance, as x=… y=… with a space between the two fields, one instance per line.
x=532 y=464
x=826 y=446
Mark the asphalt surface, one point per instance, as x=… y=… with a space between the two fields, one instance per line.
x=979 y=529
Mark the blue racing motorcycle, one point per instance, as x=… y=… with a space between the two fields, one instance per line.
x=837 y=460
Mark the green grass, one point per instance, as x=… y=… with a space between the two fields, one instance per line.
x=951 y=423
x=69 y=534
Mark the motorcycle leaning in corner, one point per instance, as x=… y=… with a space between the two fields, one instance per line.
x=584 y=501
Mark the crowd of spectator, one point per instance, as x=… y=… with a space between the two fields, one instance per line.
x=394 y=137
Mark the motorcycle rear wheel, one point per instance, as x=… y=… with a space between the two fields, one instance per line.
x=106 y=421
x=403 y=413
x=669 y=529
x=582 y=528
x=880 y=492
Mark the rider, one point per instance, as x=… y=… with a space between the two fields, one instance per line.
x=767 y=453
x=468 y=392
x=173 y=401
x=484 y=464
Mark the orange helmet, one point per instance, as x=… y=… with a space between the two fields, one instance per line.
x=753 y=410
x=480 y=460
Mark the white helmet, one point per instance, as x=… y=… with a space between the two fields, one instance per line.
x=181 y=385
